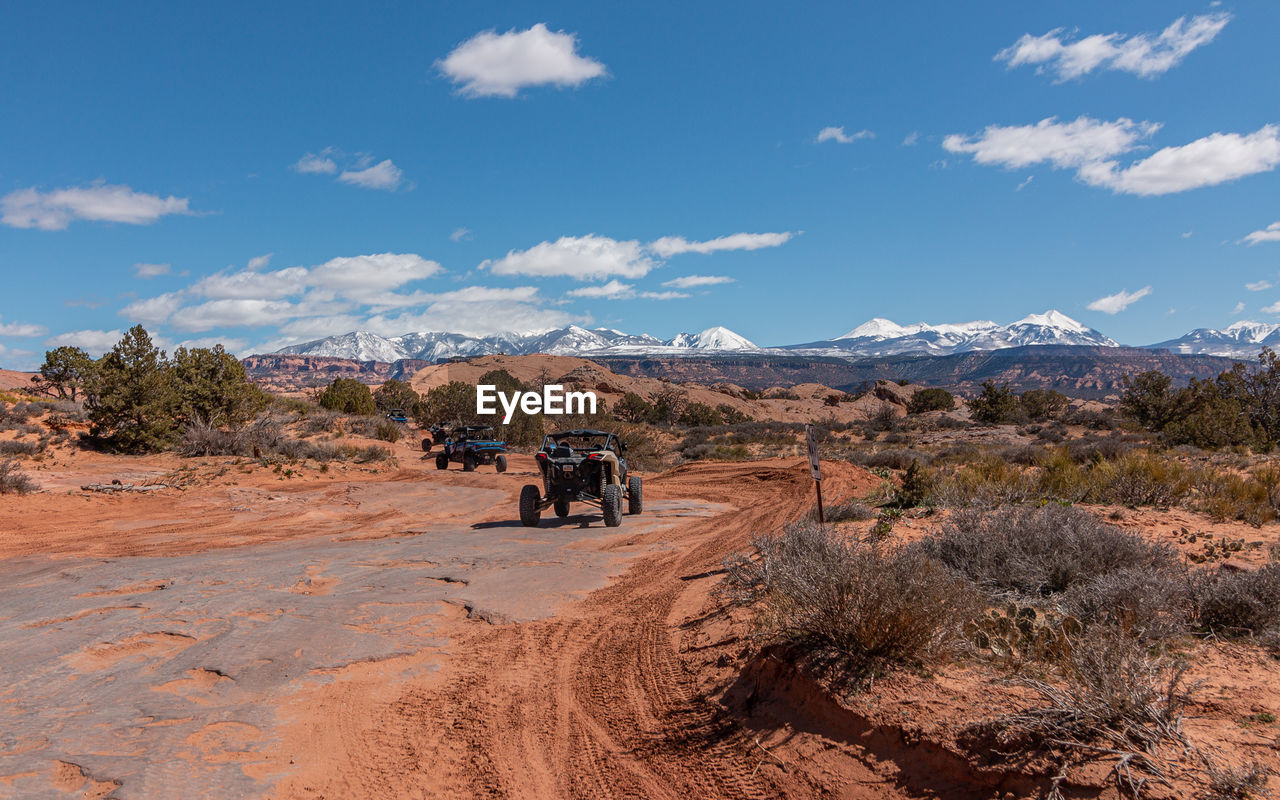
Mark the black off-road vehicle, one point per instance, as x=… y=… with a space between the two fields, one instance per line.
x=584 y=466
x=436 y=434
x=472 y=445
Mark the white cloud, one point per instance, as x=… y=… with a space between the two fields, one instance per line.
x=1217 y=158
x=230 y=344
x=1239 y=309
x=1024 y=184
x=1144 y=54
x=501 y=64
x=579 y=257
x=674 y=245
x=362 y=276
x=1259 y=286
x=258 y=262
x=312 y=164
x=150 y=270
x=153 y=310
x=99 y=202
x=1274 y=308
x=233 y=313
x=911 y=139
x=1186 y=234
x=614 y=289
x=1115 y=303
x=694 y=281
x=1271 y=233
x=247 y=284
x=1090 y=147
x=461 y=235
x=833 y=134
x=21 y=329
x=1061 y=144
x=95 y=343
x=383 y=175
x=664 y=295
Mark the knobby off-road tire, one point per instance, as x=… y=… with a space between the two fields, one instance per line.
x=562 y=507
x=635 y=496
x=529 y=499
x=611 y=505
x=468 y=462
x=442 y=461
x=500 y=463
x=427 y=444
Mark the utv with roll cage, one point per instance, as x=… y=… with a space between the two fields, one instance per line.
x=471 y=446
x=582 y=466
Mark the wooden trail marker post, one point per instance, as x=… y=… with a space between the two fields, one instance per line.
x=815 y=469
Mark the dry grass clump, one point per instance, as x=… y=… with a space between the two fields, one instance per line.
x=264 y=438
x=13 y=447
x=1111 y=697
x=13 y=480
x=1032 y=552
x=1227 y=601
x=847 y=604
x=1236 y=783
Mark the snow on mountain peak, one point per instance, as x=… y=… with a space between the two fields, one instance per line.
x=877 y=327
x=1053 y=319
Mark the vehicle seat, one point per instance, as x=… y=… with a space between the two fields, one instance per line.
x=562 y=451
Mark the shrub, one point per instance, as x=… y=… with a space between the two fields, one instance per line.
x=695 y=414
x=848 y=511
x=1140 y=479
x=634 y=408
x=995 y=405
x=1110 y=690
x=398 y=394
x=849 y=604
x=917 y=485
x=932 y=399
x=350 y=396
x=1237 y=602
x=65 y=372
x=131 y=397
x=13 y=480
x=1035 y=552
x=1042 y=404
x=893 y=459
x=15 y=448
x=1148 y=604
x=388 y=431
x=211 y=384
x=731 y=415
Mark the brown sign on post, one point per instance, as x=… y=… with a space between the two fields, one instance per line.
x=815 y=468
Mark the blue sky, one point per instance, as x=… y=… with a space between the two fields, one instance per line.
x=269 y=173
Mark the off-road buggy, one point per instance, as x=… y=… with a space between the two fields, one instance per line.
x=436 y=434
x=583 y=466
x=472 y=445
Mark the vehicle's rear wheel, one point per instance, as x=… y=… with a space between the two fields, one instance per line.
x=442 y=461
x=562 y=507
x=611 y=505
x=635 y=496
x=427 y=444
x=468 y=462
x=529 y=513
x=501 y=463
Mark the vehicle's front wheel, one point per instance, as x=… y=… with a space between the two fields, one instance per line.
x=529 y=513
x=501 y=463
x=611 y=505
x=427 y=444
x=442 y=461
x=468 y=462
x=562 y=507
x=635 y=496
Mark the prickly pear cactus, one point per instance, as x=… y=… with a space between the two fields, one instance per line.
x=1017 y=634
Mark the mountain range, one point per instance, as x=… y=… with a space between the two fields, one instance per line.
x=872 y=339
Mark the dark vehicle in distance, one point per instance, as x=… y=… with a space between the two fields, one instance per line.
x=398 y=415
x=471 y=446
x=584 y=466
x=436 y=434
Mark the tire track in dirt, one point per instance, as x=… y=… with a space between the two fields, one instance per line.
x=595 y=703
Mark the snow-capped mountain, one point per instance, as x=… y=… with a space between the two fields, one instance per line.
x=1237 y=340
x=570 y=341
x=882 y=337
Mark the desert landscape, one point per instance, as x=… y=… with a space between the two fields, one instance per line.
x=335 y=616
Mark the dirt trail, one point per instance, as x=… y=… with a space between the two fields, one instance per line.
x=594 y=703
